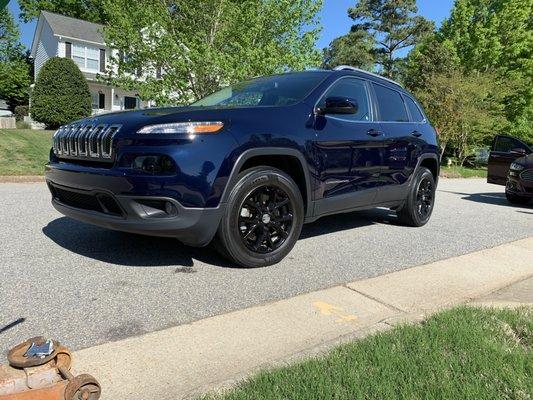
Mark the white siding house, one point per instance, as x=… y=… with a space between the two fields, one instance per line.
x=83 y=42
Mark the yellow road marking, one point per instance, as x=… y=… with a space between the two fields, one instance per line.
x=329 y=309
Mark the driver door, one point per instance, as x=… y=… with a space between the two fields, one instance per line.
x=505 y=149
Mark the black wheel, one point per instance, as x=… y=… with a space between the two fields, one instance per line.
x=516 y=199
x=263 y=218
x=417 y=209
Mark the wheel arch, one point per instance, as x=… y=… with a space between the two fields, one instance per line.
x=284 y=159
x=431 y=162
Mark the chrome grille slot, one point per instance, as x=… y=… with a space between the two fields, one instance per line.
x=94 y=141
x=63 y=145
x=527 y=175
x=85 y=142
x=82 y=140
x=72 y=142
x=106 y=141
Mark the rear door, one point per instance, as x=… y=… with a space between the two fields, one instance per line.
x=505 y=149
x=402 y=141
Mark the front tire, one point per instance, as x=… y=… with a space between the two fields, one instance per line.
x=263 y=218
x=516 y=199
x=418 y=207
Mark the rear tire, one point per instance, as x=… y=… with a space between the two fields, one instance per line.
x=263 y=218
x=418 y=207
x=517 y=199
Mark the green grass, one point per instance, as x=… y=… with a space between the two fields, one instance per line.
x=463 y=172
x=24 y=151
x=465 y=353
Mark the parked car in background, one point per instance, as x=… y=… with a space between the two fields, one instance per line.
x=251 y=163
x=511 y=164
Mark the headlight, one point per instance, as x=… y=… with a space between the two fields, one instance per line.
x=190 y=128
x=517 y=167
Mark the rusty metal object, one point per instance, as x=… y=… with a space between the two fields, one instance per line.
x=82 y=387
x=41 y=376
x=17 y=355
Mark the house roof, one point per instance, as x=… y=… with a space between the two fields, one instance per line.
x=74 y=28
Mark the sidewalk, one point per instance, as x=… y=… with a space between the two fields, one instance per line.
x=187 y=360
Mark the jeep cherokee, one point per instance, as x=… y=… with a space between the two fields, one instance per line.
x=248 y=165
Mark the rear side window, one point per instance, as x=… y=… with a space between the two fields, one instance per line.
x=355 y=90
x=391 y=105
x=415 y=112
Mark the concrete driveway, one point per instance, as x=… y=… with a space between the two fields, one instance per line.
x=85 y=285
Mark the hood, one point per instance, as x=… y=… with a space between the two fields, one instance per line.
x=526 y=161
x=132 y=121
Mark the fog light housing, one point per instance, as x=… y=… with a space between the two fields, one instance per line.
x=154 y=164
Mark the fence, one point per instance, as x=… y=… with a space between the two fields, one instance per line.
x=7 y=123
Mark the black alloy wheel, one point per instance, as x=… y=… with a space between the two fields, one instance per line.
x=263 y=218
x=420 y=201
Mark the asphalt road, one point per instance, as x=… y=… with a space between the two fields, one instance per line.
x=85 y=285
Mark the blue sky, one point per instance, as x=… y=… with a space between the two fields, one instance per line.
x=334 y=17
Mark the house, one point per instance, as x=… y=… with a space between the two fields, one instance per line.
x=61 y=36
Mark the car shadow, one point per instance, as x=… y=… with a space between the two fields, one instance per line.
x=147 y=251
x=497 y=199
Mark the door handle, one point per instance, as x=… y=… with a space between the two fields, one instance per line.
x=416 y=134
x=374 y=133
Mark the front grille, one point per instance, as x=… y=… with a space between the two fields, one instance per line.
x=527 y=175
x=103 y=203
x=85 y=142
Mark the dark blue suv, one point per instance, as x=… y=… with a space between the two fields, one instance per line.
x=248 y=165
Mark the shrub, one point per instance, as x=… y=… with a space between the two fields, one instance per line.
x=21 y=112
x=23 y=125
x=61 y=94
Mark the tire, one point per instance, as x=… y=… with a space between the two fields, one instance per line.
x=516 y=199
x=418 y=207
x=264 y=204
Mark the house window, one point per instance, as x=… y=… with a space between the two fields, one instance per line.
x=130 y=102
x=87 y=57
x=95 y=101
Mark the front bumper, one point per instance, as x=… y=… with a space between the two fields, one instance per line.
x=518 y=186
x=111 y=202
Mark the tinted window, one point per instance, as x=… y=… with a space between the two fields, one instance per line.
x=391 y=106
x=355 y=90
x=415 y=112
x=276 y=90
x=506 y=144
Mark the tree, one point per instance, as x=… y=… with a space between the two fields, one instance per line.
x=427 y=59
x=354 y=48
x=394 y=26
x=14 y=66
x=205 y=44
x=61 y=94
x=498 y=35
x=88 y=10
x=466 y=108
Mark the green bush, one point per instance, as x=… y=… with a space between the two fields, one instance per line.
x=21 y=112
x=61 y=94
x=23 y=125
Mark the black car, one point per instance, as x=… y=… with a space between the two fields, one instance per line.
x=250 y=164
x=511 y=164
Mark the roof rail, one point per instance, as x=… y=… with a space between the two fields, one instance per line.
x=350 y=68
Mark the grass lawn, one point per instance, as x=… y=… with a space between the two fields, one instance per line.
x=24 y=151
x=463 y=172
x=465 y=353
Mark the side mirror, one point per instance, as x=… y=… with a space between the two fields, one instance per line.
x=338 y=105
x=519 y=151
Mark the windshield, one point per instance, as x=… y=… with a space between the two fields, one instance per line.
x=277 y=90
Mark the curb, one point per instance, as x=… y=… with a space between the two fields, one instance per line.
x=210 y=354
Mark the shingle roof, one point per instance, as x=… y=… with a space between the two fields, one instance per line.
x=74 y=28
